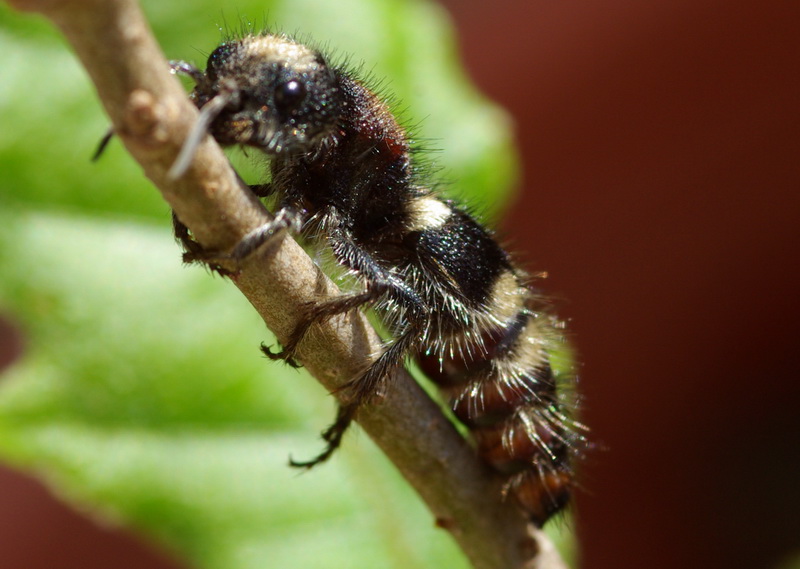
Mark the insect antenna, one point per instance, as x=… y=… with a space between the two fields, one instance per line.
x=208 y=113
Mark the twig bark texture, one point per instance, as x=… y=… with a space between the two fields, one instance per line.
x=150 y=112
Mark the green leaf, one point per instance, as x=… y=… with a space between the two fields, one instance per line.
x=142 y=397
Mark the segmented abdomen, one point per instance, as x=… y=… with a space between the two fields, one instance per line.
x=503 y=387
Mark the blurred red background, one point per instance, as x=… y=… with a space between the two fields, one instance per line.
x=661 y=144
x=661 y=192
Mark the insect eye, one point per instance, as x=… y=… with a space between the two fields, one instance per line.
x=217 y=58
x=289 y=95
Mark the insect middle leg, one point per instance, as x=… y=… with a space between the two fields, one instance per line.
x=379 y=283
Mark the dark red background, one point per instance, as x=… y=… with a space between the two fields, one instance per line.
x=661 y=142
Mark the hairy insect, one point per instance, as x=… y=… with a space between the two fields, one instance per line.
x=343 y=173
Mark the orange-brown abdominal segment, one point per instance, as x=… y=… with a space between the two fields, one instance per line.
x=504 y=389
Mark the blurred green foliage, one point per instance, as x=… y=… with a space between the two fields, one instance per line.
x=141 y=396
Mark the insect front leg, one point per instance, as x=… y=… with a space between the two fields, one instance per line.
x=285 y=219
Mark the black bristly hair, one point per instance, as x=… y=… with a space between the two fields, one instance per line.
x=343 y=173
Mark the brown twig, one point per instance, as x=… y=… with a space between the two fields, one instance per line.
x=152 y=115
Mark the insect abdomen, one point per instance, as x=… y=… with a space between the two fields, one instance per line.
x=503 y=388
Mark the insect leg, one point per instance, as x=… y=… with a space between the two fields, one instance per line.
x=286 y=218
x=193 y=251
x=360 y=391
x=332 y=435
x=262 y=190
x=379 y=282
x=372 y=381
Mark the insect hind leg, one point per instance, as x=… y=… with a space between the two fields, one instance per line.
x=333 y=436
x=359 y=392
x=371 y=383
